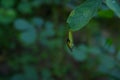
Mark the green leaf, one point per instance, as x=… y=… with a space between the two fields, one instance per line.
x=81 y=15
x=49 y=26
x=46 y=74
x=94 y=50
x=28 y=37
x=37 y=21
x=18 y=77
x=7 y=3
x=114 y=5
x=25 y=8
x=103 y=13
x=27 y=58
x=118 y=56
x=30 y=73
x=21 y=24
x=36 y=3
x=115 y=73
x=106 y=63
x=7 y=15
x=80 y=53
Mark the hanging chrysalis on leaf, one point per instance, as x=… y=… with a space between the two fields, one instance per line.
x=69 y=40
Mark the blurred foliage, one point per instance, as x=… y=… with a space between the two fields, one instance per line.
x=33 y=47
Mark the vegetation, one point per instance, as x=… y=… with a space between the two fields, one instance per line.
x=33 y=37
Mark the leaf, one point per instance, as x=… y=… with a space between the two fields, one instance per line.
x=81 y=15
x=28 y=37
x=30 y=73
x=103 y=13
x=18 y=77
x=94 y=50
x=21 y=24
x=106 y=63
x=7 y=3
x=46 y=74
x=25 y=8
x=114 y=5
x=49 y=29
x=80 y=53
x=115 y=73
x=36 y=3
x=37 y=21
x=7 y=16
x=118 y=56
x=27 y=58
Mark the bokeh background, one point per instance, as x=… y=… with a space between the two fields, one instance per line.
x=33 y=42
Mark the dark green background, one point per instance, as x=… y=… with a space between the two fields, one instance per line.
x=33 y=42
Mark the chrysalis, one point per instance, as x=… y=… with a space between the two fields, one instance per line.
x=69 y=40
